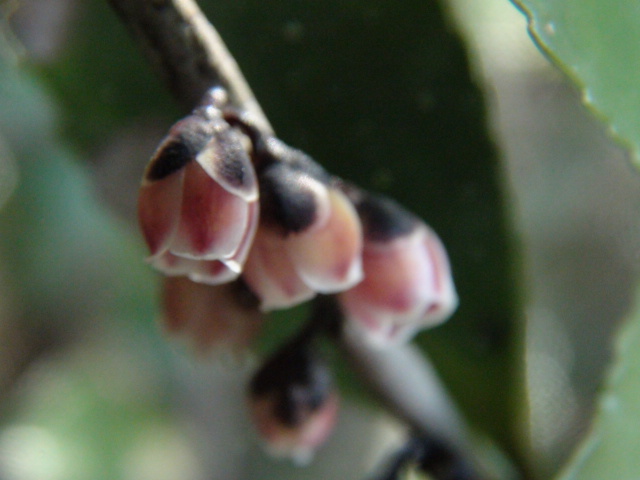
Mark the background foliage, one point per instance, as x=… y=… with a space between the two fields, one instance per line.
x=597 y=48
x=380 y=93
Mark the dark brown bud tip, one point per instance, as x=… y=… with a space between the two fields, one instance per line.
x=171 y=158
x=298 y=381
x=289 y=199
x=384 y=219
x=184 y=141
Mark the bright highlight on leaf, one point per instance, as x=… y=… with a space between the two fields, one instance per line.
x=597 y=44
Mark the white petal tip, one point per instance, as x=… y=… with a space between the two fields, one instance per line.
x=335 y=283
x=441 y=311
x=386 y=335
x=211 y=279
x=233 y=265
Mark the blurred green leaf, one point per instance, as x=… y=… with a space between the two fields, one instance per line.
x=97 y=407
x=92 y=413
x=98 y=410
x=101 y=79
x=598 y=45
x=611 y=449
x=62 y=246
x=381 y=94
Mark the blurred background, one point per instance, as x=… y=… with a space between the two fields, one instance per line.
x=575 y=197
x=89 y=387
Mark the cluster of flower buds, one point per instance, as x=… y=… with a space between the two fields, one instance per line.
x=293 y=402
x=229 y=211
x=220 y=199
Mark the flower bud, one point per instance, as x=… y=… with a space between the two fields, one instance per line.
x=211 y=316
x=271 y=275
x=327 y=255
x=310 y=238
x=293 y=403
x=407 y=282
x=198 y=198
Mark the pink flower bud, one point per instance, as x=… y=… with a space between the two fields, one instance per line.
x=310 y=239
x=298 y=442
x=271 y=275
x=407 y=282
x=198 y=199
x=293 y=403
x=327 y=256
x=223 y=316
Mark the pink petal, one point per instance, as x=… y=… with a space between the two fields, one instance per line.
x=159 y=204
x=172 y=265
x=271 y=275
x=379 y=328
x=327 y=255
x=447 y=298
x=398 y=275
x=213 y=221
x=211 y=272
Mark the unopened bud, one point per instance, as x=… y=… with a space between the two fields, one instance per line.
x=293 y=403
x=310 y=239
x=198 y=198
x=408 y=284
x=271 y=275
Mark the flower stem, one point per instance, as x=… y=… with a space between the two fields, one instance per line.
x=188 y=52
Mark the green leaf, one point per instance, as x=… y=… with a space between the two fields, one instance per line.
x=598 y=45
x=53 y=227
x=101 y=80
x=611 y=449
x=380 y=93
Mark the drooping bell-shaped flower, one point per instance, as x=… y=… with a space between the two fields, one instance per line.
x=198 y=201
x=225 y=317
x=407 y=282
x=309 y=239
x=293 y=403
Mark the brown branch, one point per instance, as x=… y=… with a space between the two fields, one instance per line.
x=188 y=52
